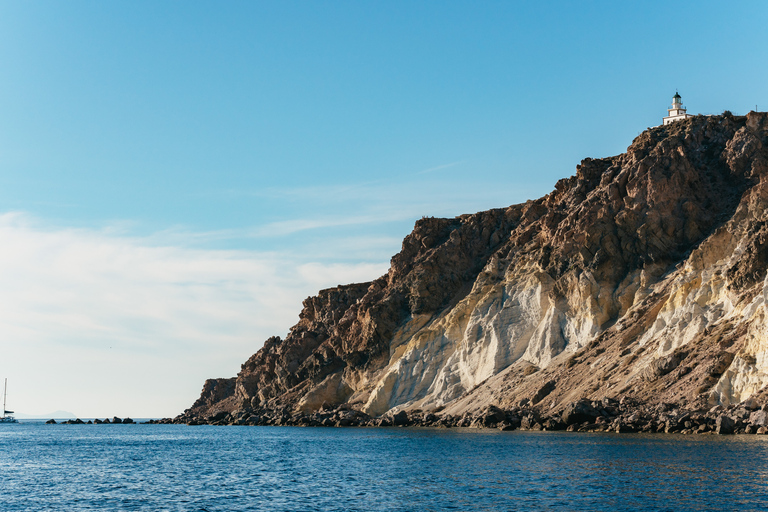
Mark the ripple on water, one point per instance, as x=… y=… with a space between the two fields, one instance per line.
x=180 y=468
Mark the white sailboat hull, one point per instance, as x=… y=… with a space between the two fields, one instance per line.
x=6 y=418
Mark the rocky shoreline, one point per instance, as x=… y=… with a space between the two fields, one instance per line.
x=607 y=415
x=106 y=421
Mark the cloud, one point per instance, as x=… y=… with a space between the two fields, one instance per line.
x=94 y=320
x=362 y=206
x=441 y=167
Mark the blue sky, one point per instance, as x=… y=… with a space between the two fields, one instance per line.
x=198 y=153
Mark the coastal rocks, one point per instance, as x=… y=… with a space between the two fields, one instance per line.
x=96 y=421
x=606 y=415
x=725 y=424
x=759 y=418
x=579 y=412
x=76 y=421
x=400 y=419
x=493 y=416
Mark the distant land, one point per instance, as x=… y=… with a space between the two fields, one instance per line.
x=52 y=415
x=633 y=297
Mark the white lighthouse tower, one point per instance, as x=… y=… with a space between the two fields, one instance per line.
x=677 y=112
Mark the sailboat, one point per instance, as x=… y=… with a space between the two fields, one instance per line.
x=6 y=417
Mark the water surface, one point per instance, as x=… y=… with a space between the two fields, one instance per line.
x=208 y=468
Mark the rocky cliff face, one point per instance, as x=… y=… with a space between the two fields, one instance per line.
x=643 y=276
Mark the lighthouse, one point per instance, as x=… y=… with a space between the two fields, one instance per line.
x=677 y=112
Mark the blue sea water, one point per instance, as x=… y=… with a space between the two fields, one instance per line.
x=208 y=468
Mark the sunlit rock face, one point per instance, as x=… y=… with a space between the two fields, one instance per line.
x=642 y=275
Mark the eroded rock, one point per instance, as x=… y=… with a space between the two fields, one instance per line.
x=642 y=276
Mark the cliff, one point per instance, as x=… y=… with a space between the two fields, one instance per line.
x=642 y=277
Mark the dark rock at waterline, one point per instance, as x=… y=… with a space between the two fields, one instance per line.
x=553 y=424
x=725 y=425
x=219 y=416
x=579 y=412
x=77 y=421
x=606 y=415
x=493 y=416
x=759 y=418
x=106 y=421
x=400 y=419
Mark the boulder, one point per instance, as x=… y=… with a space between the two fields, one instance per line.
x=492 y=416
x=740 y=414
x=128 y=420
x=116 y=420
x=400 y=419
x=543 y=391
x=51 y=422
x=528 y=422
x=579 y=412
x=621 y=427
x=664 y=365
x=725 y=425
x=219 y=416
x=759 y=418
x=750 y=404
x=553 y=424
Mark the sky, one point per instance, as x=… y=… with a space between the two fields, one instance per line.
x=176 y=177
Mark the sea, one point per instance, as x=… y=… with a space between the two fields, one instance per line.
x=216 y=468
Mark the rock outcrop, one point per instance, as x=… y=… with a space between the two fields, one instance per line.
x=642 y=278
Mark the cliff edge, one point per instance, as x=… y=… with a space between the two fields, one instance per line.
x=642 y=277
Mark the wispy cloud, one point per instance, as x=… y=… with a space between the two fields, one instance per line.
x=89 y=319
x=441 y=167
x=324 y=207
x=278 y=228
